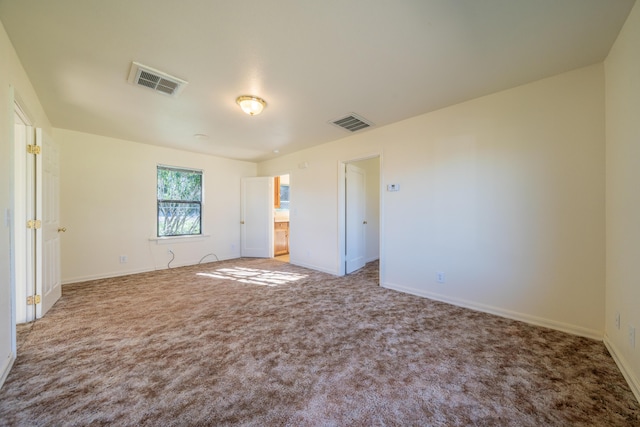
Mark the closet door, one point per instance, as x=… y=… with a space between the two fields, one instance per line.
x=355 y=218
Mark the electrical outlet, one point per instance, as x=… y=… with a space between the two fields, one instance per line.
x=632 y=337
x=170 y=251
x=617 y=320
x=123 y=259
x=440 y=278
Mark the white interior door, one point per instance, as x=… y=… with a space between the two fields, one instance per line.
x=24 y=209
x=256 y=220
x=48 y=285
x=355 y=222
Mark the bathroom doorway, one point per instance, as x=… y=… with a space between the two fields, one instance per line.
x=281 y=217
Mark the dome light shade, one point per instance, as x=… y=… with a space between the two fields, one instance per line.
x=252 y=105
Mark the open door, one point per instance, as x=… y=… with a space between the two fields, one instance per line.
x=256 y=217
x=355 y=221
x=37 y=212
x=24 y=232
x=48 y=195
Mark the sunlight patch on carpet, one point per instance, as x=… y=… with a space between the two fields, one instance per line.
x=254 y=276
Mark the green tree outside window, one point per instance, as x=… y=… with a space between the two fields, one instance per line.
x=179 y=202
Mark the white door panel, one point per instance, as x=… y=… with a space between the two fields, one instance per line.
x=24 y=201
x=355 y=218
x=256 y=233
x=48 y=275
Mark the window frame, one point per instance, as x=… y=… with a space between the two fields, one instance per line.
x=200 y=202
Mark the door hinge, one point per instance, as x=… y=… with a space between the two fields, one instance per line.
x=34 y=224
x=33 y=300
x=33 y=149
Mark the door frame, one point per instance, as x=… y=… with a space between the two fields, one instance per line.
x=342 y=209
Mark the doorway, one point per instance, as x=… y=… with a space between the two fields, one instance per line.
x=265 y=220
x=281 y=217
x=359 y=214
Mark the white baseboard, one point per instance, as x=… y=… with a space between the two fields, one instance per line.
x=534 y=320
x=7 y=364
x=313 y=267
x=90 y=277
x=627 y=372
x=68 y=281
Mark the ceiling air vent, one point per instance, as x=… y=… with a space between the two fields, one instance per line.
x=157 y=80
x=352 y=123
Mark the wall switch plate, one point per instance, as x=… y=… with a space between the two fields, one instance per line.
x=123 y=259
x=393 y=187
x=440 y=278
x=632 y=337
x=617 y=320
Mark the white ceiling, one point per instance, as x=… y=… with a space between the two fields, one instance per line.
x=311 y=60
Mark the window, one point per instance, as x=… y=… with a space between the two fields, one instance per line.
x=284 y=196
x=281 y=192
x=179 y=202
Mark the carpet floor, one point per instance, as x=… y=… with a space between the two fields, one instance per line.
x=258 y=342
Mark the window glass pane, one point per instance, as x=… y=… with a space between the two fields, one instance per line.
x=284 y=197
x=284 y=193
x=178 y=218
x=179 y=184
x=179 y=195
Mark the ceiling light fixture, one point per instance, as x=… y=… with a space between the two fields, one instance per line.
x=252 y=105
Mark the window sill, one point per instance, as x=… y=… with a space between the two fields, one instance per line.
x=173 y=239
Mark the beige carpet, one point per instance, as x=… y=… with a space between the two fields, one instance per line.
x=260 y=342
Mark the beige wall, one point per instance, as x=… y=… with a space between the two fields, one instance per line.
x=108 y=205
x=504 y=194
x=623 y=198
x=13 y=83
x=314 y=199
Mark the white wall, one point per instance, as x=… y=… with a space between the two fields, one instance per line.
x=13 y=82
x=623 y=198
x=108 y=205
x=504 y=194
x=314 y=199
x=372 y=209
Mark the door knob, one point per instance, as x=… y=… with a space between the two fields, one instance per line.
x=241 y=222
x=62 y=229
x=364 y=222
